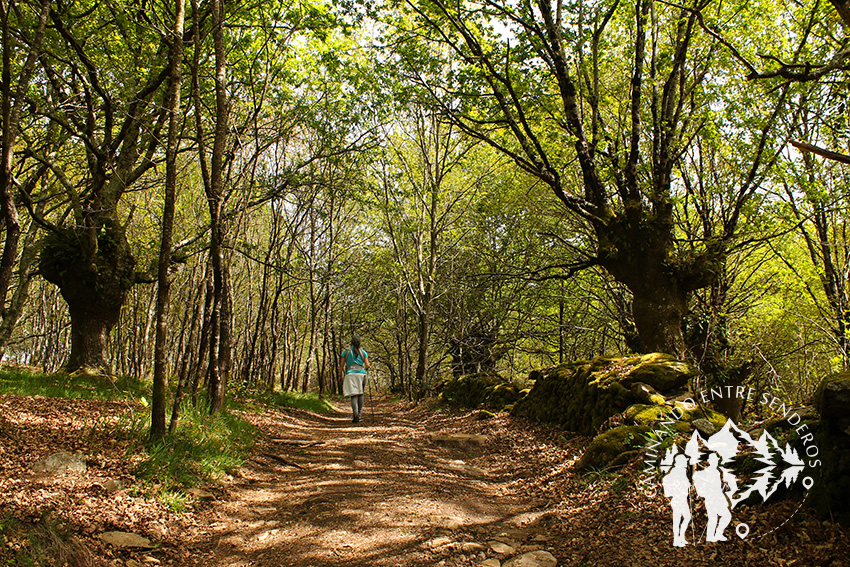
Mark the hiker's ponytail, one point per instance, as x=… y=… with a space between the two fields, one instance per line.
x=355 y=345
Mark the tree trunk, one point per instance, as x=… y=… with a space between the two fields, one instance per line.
x=94 y=284
x=160 y=370
x=659 y=311
x=10 y=110
x=423 y=332
x=12 y=312
x=89 y=332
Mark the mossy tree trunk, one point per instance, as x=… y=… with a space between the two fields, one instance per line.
x=88 y=256
x=94 y=282
x=639 y=252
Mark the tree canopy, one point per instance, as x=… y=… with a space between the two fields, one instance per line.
x=221 y=194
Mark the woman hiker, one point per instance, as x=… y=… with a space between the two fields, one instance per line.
x=353 y=366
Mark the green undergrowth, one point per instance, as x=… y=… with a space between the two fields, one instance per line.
x=306 y=401
x=40 y=543
x=203 y=449
x=73 y=386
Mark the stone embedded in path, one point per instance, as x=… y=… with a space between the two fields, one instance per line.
x=124 y=539
x=472 y=547
x=448 y=523
x=460 y=466
x=200 y=494
x=507 y=539
x=533 y=559
x=500 y=547
x=61 y=462
x=490 y=563
x=458 y=439
x=436 y=542
x=112 y=486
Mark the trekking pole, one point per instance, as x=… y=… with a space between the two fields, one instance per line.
x=371 y=405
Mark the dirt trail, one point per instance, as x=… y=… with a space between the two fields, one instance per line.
x=323 y=491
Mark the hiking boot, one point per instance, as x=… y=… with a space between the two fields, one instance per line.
x=355 y=419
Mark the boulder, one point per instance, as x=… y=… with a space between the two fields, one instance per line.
x=618 y=446
x=613 y=448
x=61 y=462
x=705 y=427
x=831 y=493
x=646 y=394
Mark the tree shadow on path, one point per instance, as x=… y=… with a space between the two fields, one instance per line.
x=323 y=491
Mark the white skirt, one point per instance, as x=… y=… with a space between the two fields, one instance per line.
x=353 y=384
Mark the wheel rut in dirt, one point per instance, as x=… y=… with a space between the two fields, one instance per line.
x=321 y=490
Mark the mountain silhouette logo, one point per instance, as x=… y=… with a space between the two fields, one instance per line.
x=724 y=470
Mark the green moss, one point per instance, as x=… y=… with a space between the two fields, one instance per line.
x=651 y=415
x=612 y=448
x=477 y=390
x=582 y=395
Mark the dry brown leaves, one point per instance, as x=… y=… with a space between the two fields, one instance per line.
x=598 y=520
x=32 y=428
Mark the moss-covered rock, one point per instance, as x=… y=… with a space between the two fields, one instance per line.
x=683 y=415
x=646 y=394
x=580 y=396
x=661 y=371
x=477 y=390
x=613 y=448
x=468 y=391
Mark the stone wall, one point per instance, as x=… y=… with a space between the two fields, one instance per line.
x=581 y=396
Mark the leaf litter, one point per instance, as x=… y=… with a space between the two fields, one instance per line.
x=375 y=493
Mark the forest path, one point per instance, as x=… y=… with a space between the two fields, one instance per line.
x=321 y=490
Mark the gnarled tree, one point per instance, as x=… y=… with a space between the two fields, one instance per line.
x=600 y=101
x=106 y=98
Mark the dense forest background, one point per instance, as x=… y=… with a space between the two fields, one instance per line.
x=217 y=195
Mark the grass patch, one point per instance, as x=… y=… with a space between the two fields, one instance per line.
x=41 y=543
x=310 y=401
x=73 y=386
x=203 y=449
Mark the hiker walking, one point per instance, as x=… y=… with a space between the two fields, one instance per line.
x=353 y=365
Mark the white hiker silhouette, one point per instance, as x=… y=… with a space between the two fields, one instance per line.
x=709 y=485
x=676 y=487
